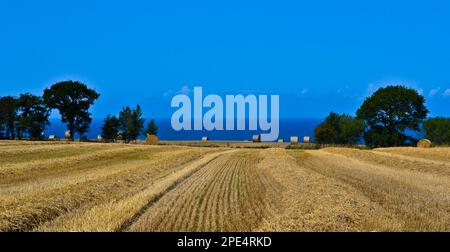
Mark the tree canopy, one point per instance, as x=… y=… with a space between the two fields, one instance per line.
x=339 y=129
x=152 y=129
x=8 y=116
x=72 y=99
x=389 y=112
x=131 y=123
x=32 y=118
x=437 y=130
x=110 y=128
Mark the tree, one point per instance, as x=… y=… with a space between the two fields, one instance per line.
x=110 y=128
x=2 y=130
x=324 y=133
x=437 y=130
x=72 y=99
x=339 y=129
x=389 y=112
x=8 y=116
x=32 y=116
x=152 y=129
x=351 y=130
x=131 y=123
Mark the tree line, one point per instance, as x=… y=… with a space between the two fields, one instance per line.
x=128 y=126
x=27 y=116
x=383 y=120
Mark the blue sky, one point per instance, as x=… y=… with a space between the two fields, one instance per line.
x=318 y=56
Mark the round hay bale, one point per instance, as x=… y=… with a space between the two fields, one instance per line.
x=151 y=139
x=67 y=134
x=204 y=139
x=424 y=143
x=294 y=139
x=280 y=140
x=100 y=138
x=256 y=138
x=306 y=139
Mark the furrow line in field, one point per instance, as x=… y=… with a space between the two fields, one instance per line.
x=206 y=192
x=431 y=154
x=29 y=210
x=394 y=161
x=212 y=210
x=126 y=224
x=203 y=206
x=420 y=202
x=185 y=197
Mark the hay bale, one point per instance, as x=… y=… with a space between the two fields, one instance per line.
x=204 y=139
x=256 y=138
x=306 y=139
x=280 y=140
x=424 y=143
x=67 y=134
x=100 y=138
x=52 y=137
x=151 y=139
x=294 y=139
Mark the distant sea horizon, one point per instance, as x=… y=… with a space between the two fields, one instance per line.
x=288 y=127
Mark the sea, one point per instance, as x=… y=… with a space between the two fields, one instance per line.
x=288 y=127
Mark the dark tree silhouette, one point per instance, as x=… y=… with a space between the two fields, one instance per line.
x=72 y=99
x=437 y=130
x=389 y=112
x=152 y=129
x=110 y=128
x=339 y=129
x=32 y=116
x=8 y=116
x=131 y=123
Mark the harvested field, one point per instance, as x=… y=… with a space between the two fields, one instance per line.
x=230 y=193
x=59 y=186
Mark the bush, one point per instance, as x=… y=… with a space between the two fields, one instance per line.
x=437 y=130
x=339 y=129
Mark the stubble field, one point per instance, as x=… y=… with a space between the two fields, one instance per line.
x=55 y=186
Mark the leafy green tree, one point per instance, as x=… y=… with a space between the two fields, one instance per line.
x=389 y=112
x=131 y=123
x=72 y=99
x=437 y=130
x=339 y=129
x=324 y=133
x=32 y=116
x=110 y=128
x=152 y=129
x=351 y=130
x=8 y=116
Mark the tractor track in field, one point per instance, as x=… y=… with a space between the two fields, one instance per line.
x=222 y=196
x=127 y=223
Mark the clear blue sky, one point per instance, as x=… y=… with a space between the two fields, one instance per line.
x=321 y=56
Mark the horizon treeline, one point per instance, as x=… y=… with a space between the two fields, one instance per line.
x=27 y=116
x=383 y=120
